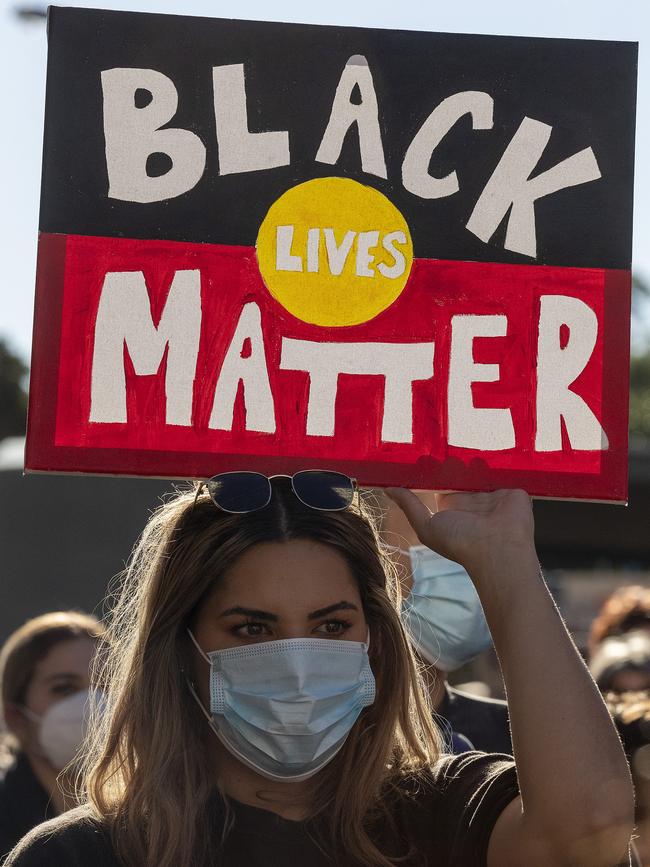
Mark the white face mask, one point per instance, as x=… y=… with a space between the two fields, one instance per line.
x=62 y=728
x=443 y=612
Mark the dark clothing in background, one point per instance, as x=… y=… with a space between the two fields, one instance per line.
x=24 y=803
x=449 y=818
x=483 y=720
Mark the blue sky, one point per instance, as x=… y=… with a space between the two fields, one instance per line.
x=22 y=82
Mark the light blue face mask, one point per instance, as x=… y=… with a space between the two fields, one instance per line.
x=285 y=708
x=443 y=613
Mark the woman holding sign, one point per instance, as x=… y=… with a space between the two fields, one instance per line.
x=265 y=708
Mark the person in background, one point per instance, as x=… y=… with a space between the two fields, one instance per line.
x=264 y=707
x=627 y=608
x=44 y=683
x=631 y=714
x=445 y=619
x=622 y=663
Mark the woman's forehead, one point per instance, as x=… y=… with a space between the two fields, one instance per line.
x=298 y=573
x=71 y=656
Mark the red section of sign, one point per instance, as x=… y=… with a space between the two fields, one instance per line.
x=61 y=437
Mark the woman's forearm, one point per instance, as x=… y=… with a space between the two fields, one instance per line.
x=574 y=781
x=575 y=786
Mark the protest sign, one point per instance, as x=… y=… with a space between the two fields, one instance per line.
x=402 y=255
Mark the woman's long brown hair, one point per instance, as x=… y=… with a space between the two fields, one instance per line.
x=146 y=768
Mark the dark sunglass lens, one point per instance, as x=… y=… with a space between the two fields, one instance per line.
x=322 y=489
x=240 y=492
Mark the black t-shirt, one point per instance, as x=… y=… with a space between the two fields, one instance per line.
x=483 y=720
x=24 y=803
x=448 y=819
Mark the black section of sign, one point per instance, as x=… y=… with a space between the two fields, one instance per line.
x=584 y=89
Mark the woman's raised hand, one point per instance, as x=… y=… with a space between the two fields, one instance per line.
x=476 y=530
x=566 y=748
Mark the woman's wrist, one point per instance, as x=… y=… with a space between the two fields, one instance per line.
x=504 y=567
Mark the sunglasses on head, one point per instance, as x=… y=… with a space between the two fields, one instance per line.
x=242 y=492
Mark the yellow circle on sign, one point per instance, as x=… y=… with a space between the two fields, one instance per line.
x=334 y=252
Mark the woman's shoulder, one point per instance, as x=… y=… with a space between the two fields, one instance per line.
x=463 y=791
x=24 y=802
x=14 y=768
x=468 y=771
x=472 y=768
x=77 y=838
x=449 y=809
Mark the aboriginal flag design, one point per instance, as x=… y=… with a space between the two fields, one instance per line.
x=267 y=246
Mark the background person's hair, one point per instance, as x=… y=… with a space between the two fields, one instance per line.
x=30 y=644
x=627 y=608
x=631 y=714
x=617 y=654
x=147 y=774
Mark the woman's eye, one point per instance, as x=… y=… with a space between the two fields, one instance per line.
x=63 y=689
x=333 y=627
x=251 y=630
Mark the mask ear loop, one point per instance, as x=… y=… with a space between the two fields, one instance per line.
x=31 y=716
x=195 y=695
x=198 y=647
x=189 y=683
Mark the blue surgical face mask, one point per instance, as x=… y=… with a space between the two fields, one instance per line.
x=285 y=708
x=443 y=613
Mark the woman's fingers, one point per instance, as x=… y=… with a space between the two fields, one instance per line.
x=471 y=528
x=416 y=512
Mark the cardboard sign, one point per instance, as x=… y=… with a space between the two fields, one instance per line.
x=405 y=256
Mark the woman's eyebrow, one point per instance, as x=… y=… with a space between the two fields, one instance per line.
x=338 y=606
x=250 y=612
x=63 y=675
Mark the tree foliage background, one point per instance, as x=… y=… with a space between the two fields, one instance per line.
x=13 y=394
x=640 y=364
x=640 y=395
